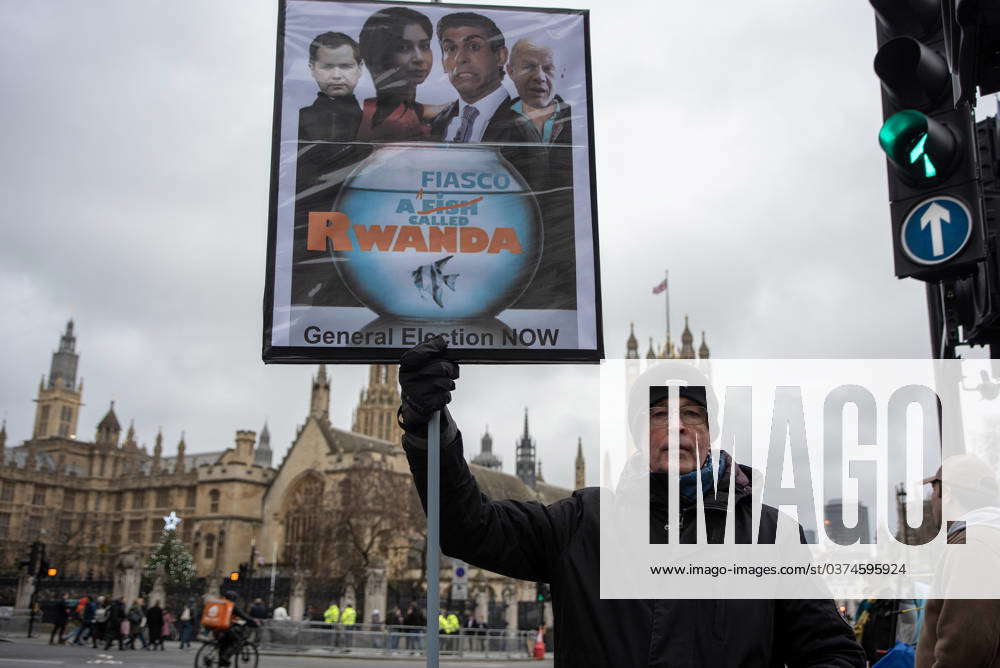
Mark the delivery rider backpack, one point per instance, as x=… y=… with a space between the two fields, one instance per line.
x=217 y=614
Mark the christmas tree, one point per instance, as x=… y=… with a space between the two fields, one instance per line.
x=177 y=562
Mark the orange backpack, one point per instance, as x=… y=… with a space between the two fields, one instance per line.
x=217 y=613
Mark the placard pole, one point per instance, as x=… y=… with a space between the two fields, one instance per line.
x=433 y=535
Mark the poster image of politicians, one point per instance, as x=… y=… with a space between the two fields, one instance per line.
x=432 y=173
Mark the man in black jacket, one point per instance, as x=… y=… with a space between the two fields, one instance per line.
x=559 y=543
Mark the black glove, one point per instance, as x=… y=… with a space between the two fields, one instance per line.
x=427 y=379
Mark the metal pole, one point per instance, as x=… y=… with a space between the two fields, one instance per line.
x=433 y=535
x=666 y=293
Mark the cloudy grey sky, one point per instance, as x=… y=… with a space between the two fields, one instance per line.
x=736 y=147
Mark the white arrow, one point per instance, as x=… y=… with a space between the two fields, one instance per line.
x=934 y=216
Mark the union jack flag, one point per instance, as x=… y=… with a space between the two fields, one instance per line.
x=661 y=287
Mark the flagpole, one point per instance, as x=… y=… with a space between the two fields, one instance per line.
x=666 y=294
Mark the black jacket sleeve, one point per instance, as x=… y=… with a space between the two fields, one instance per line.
x=519 y=539
x=811 y=633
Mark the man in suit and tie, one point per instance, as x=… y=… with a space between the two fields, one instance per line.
x=474 y=55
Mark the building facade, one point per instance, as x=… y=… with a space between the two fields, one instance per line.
x=340 y=503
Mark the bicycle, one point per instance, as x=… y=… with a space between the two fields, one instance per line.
x=244 y=654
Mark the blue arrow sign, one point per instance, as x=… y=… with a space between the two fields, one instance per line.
x=936 y=230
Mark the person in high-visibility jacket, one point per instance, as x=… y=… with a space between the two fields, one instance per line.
x=332 y=614
x=349 y=616
x=453 y=624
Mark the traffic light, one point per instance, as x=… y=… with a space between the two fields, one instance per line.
x=976 y=298
x=930 y=146
x=34 y=557
x=51 y=572
x=972 y=38
x=542 y=592
x=234 y=576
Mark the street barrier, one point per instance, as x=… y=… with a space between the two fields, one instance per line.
x=382 y=640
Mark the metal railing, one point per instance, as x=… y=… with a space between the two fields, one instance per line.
x=382 y=640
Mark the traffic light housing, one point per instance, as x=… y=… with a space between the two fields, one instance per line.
x=930 y=145
x=542 y=592
x=972 y=40
x=234 y=576
x=976 y=298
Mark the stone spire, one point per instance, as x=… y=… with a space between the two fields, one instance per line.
x=181 y=449
x=486 y=458
x=59 y=399
x=62 y=372
x=538 y=476
x=157 y=451
x=375 y=414
x=130 y=440
x=687 y=341
x=262 y=454
x=3 y=441
x=525 y=458
x=319 y=404
x=651 y=353
x=580 y=482
x=703 y=349
x=109 y=429
x=631 y=345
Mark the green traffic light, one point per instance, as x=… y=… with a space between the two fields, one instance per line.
x=919 y=146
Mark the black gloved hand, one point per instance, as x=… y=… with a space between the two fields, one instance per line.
x=427 y=379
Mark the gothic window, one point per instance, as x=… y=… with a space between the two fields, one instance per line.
x=7 y=491
x=162 y=498
x=39 y=497
x=186 y=531
x=135 y=532
x=66 y=414
x=4 y=525
x=116 y=532
x=120 y=501
x=303 y=520
x=69 y=500
x=138 y=499
x=210 y=546
x=65 y=529
x=213 y=501
x=155 y=531
x=31 y=526
x=45 y=414
x=97 y=502
x=346 y=490
x=192 y=495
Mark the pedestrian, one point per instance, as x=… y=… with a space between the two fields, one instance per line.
x=187 y=624
x=154 y=623
x=394 y=621
x=258 y=610
x=348 y=617
x=169 y=626
x=136 y=623
x=559 y=543
x=117 y=624
x=100 y=621
x=281 y=614
x=61 y=617
x=964 y=632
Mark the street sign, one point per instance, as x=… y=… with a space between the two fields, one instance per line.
x=936 y=230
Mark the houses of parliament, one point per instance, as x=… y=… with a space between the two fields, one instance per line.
x=91 y=499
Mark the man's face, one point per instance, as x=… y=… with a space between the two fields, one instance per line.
x=532 y=72
x=335 y=70
x=692 y=431
x=472 y=67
